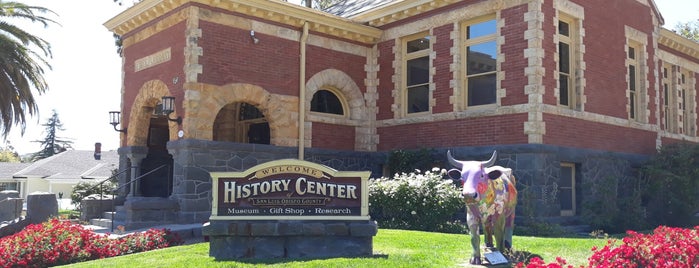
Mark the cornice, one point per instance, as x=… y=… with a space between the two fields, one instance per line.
x=277 y=11
x=679 y=43
x=400 y=10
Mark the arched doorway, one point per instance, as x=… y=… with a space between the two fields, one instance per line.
x=241 y=122
x=158 y=183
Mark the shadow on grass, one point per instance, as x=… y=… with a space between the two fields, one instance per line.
x=285 y=260
x=516 y=256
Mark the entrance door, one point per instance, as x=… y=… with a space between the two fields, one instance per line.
x=158 y=183
x=566 y=189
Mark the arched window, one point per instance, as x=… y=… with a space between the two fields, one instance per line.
x=241 y=122
x=325 y=101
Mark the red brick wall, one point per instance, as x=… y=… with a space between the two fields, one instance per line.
x=385 y=75
x=605 y=55
x=549 y=62
x=513 y=48
x=491 y=130
x=173 y=38
x=319 y=59
x=571 y=132
x=329 y=136
x=443 y=73
x=230 y=56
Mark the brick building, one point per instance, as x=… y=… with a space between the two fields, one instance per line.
x=570 y=92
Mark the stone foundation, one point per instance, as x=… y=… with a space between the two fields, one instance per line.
x=231 y=239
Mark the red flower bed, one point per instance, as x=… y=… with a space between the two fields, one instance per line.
x=665 y=247
x=58 y=242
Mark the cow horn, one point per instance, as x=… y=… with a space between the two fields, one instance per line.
x=491 y=161
x=454 y=162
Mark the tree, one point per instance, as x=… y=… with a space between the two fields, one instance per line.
x=21 y=68
x=689 y=30
x=8 y=154
x=52 y=144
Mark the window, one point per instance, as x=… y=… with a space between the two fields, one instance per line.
x=417 y=73
x=633 y=82
x=566 y=189
x=325 y=101
x=241 y=122
x=682 y=110
x=566 y=86
x=480 y=64
x=666 y=101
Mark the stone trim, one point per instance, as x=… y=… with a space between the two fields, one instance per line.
x=356 y=114
x=203 y=102
x=577 y=13
x=535 y=127
x=149 y=95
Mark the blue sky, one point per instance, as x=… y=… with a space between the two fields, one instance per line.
x=85 y=81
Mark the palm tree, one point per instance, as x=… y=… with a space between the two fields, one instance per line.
x=21 y=68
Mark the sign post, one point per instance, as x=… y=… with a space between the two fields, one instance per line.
x=290 y=208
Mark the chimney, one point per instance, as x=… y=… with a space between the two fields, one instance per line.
x=98 y=151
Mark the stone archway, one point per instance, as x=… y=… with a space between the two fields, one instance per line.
x=142 y=108
x=359 y=116
x=342 y=82
x=203 y=103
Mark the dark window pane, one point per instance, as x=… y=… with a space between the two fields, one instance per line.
x=566 y=177
x=418 y=71
x=563 y=89
x=566 y=197
x=325 y=101
x=666 y=94
x=481 y=58
x=632 y=77
x=259 y=133
x=418 y=99
x=481 y=29
x=481 y=89
x=418 y=44
x=563 y=58
x=563 y=28
x=632 y=105
x=248 y=112
x=632 y=53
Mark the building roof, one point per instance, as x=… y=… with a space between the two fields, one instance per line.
x=349 y=8
x=73 y=164
x=8 y=169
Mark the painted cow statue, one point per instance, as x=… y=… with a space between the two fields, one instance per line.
x=491 y=197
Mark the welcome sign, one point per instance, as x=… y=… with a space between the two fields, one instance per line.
x=290 y=189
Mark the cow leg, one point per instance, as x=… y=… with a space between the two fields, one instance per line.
x=509 y=229
x=500 y=233
x=473 y=228
x=488 y=226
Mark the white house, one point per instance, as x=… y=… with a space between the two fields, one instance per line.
x=59 y=173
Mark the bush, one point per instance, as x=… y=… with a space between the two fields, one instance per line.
x=424 y=202
x=401 y=161
x=671 y=187
x=84 y=189
x=58 y=242
x=665 y=247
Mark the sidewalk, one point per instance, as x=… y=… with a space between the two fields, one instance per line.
x=190 y=233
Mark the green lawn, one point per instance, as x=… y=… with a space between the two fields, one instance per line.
x=392 y=248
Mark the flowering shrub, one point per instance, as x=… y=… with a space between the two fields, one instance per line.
x=415 y=201
x=58 y=242
x=665 y=247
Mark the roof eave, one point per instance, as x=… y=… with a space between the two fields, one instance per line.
x=679 y=43
x=277 y=11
